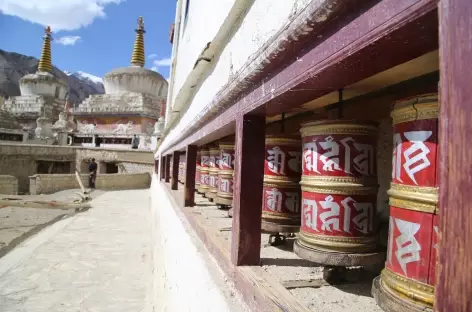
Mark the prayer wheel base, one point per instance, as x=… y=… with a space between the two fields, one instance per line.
x=391 y=302
x=269 y=227
x=338 y=258
x=210 y=195
x=230 y=213
x=222 y=207
x=224 y=201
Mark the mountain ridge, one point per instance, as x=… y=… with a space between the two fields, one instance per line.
x=13 y=66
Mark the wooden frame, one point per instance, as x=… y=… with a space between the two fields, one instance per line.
x=167 y=169
x=247 y=190
x=332 y=64
x=454 y=282
x=190 y=171
x=174 y=178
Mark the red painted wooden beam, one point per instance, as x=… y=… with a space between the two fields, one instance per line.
x=385 y=35
x=247 y=190
x=190 y=171
x=454 y=270
x=174 y=178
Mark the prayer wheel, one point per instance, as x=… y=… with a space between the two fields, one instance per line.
x=281 y=189
x=407 y=282
x=204 y=166
x=197 y=171
x=213 y=173
x=224 y=196
x=339 y=194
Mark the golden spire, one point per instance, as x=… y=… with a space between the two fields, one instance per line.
x=45 y=64
x=137 y=59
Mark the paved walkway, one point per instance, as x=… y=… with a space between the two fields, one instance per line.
x=98 y=260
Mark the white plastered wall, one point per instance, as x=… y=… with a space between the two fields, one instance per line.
x=263 y=20
x=184 y=278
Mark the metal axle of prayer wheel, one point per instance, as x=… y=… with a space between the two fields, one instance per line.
x=407 y=283
x=214 y=162
x=339 y=194
x=224 y=196
x=204 y=174
x=281 y=189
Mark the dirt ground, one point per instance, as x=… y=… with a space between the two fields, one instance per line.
x=18 y=224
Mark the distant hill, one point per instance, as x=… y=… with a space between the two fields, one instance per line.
x=13 y=66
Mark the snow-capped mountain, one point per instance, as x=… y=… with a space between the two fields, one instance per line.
x=82 y=84
x=13 y=66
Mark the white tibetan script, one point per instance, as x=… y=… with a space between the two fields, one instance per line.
x=416 y=156
x=363 y=163
x=276 y=160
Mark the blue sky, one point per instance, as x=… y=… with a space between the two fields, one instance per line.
x=93 y=36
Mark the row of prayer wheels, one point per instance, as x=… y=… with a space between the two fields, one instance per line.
x=214 y=174
x=325 y=186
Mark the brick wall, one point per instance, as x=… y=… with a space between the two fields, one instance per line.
x=8 y=185
x=50 y=183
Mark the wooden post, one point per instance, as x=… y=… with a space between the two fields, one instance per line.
x=174 y=179
x=454 y=277
x=167 y=171
x=163 y=163
x=190 y=170
x=247 y=190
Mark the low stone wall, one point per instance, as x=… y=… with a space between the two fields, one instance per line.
x=50 y=183
x=21 y=160
x=8 y=185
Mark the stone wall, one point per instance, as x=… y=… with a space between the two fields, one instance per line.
x=21 y=160
x=8 y=185
x=50 y=183
x=135 y=168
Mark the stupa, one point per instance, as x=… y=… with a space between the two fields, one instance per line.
x=132 y=105
x=42 y=94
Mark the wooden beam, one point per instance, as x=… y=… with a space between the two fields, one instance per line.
x=190 y=171
x=454 y=280
x=167 y=171
x=247 y=194
x=174 y=178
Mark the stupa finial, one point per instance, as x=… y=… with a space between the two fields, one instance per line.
x=137 y=59
x=45 y=64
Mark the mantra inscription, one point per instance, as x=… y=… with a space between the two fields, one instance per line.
x=281 y=200
x=414 y=153
x=339 y=155
x=338 y=215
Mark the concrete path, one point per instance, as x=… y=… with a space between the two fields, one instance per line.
x=99 y=260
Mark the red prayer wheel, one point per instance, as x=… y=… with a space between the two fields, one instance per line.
x=213 y=173
x=408 y=280
x=197 y=171
x=224 y=196
x=339 y=193
x=281 y=190
x=204 y=175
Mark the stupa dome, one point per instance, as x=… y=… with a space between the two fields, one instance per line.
x=43 y=82
x=134 y=79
